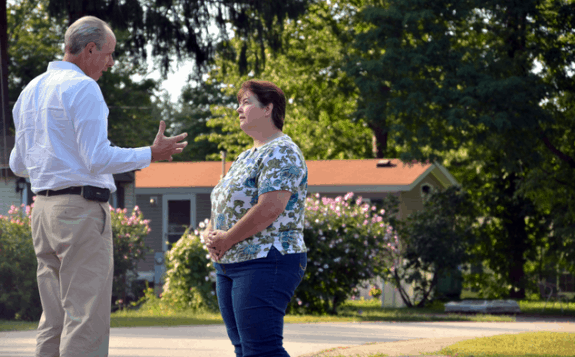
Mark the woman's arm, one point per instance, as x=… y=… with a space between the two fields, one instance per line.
x=269 y=207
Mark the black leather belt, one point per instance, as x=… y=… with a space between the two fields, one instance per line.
x=89 y=192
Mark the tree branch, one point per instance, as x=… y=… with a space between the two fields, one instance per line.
x=568 y=159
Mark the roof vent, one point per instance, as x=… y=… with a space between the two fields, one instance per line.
x=385 y=163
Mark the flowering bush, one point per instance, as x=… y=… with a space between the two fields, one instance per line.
x=190 y=275
x=375 y=292
x=347 y=243
x=18 y=261
x=129 y=249
x=19 y=298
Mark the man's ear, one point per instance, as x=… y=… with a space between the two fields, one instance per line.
x=90 y=47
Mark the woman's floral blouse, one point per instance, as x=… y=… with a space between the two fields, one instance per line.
x=276 y=166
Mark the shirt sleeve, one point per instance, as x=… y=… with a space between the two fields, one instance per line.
x=281 y=170
x=17 y=164
x=89 y=114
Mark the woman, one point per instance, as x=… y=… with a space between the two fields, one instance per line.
x=258 y=216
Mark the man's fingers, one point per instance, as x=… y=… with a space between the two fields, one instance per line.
x=162 y=127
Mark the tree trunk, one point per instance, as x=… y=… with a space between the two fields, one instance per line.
x=380 y=140
x=4 y=68
x=4 y=118
x=514 y=222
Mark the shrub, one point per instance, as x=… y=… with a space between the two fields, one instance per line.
x=436 y=241
x=347 y=244
x=190 y=275
x=19 y=297
x=129 y=249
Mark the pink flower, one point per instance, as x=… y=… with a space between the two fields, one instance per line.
x=365 y=222
x=136 y=208
x=379 y=218
x=348 y=196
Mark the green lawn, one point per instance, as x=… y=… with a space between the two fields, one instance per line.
x=529 y=344
x=351 y=311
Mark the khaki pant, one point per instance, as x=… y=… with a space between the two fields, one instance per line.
x=73 y=244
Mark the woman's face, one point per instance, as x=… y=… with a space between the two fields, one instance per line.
x=252 y=115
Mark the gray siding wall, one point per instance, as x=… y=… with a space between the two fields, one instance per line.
x=8 y=195
x=203 y=207
x=130 y=197
x=154 y=239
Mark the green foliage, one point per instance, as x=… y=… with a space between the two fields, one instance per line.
x=190 y=275
x=129 y=250
x=19 y=297
x=191 y=115
x=436 y=241
x=321 y=97
x=487 y=83
x=347 y=243
x=183 y=28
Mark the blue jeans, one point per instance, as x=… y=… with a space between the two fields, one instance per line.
x=253 y=297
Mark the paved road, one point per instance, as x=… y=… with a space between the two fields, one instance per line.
x=299 y=339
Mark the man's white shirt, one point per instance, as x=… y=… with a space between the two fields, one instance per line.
x=61 y=122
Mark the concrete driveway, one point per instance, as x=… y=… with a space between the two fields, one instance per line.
x=299 y=339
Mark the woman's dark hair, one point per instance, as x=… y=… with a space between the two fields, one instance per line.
x=266 y=93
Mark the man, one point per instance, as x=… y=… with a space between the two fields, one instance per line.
x=62 y=144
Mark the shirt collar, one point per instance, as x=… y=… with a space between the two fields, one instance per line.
x=63 y=65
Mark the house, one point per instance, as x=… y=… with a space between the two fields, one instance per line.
x=16 y=190
x=177 y=195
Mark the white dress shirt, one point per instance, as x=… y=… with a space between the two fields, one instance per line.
x=61 y=122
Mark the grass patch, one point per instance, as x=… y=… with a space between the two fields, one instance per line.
x=529 y=344
x=154 y=314
x=11 y=325
x=552 y=308
x=371 y=310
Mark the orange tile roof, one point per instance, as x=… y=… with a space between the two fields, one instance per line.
x=320 y=173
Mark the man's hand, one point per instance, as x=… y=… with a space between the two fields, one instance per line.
x=163 y=147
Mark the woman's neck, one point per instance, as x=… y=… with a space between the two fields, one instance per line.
x=263 y=139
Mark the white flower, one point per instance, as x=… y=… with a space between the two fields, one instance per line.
x=320 y=269
x=202 y=225
x=325 y=266
x=208 y=256
x=207 y=278
x=336 y=260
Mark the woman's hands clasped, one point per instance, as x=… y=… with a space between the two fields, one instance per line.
x=217 y=244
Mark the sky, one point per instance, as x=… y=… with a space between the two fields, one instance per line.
x=177 y=78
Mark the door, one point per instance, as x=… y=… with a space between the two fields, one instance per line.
x=178 y=214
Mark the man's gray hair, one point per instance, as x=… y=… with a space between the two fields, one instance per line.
x=85 y=30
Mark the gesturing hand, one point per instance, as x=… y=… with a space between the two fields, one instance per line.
x=217 y=244
x=163 y=147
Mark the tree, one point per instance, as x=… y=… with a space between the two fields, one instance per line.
x=182 y=27
x=191 y=115
x=465 y=75
x=321 y=97
x=36 y=39
x=435 y=241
